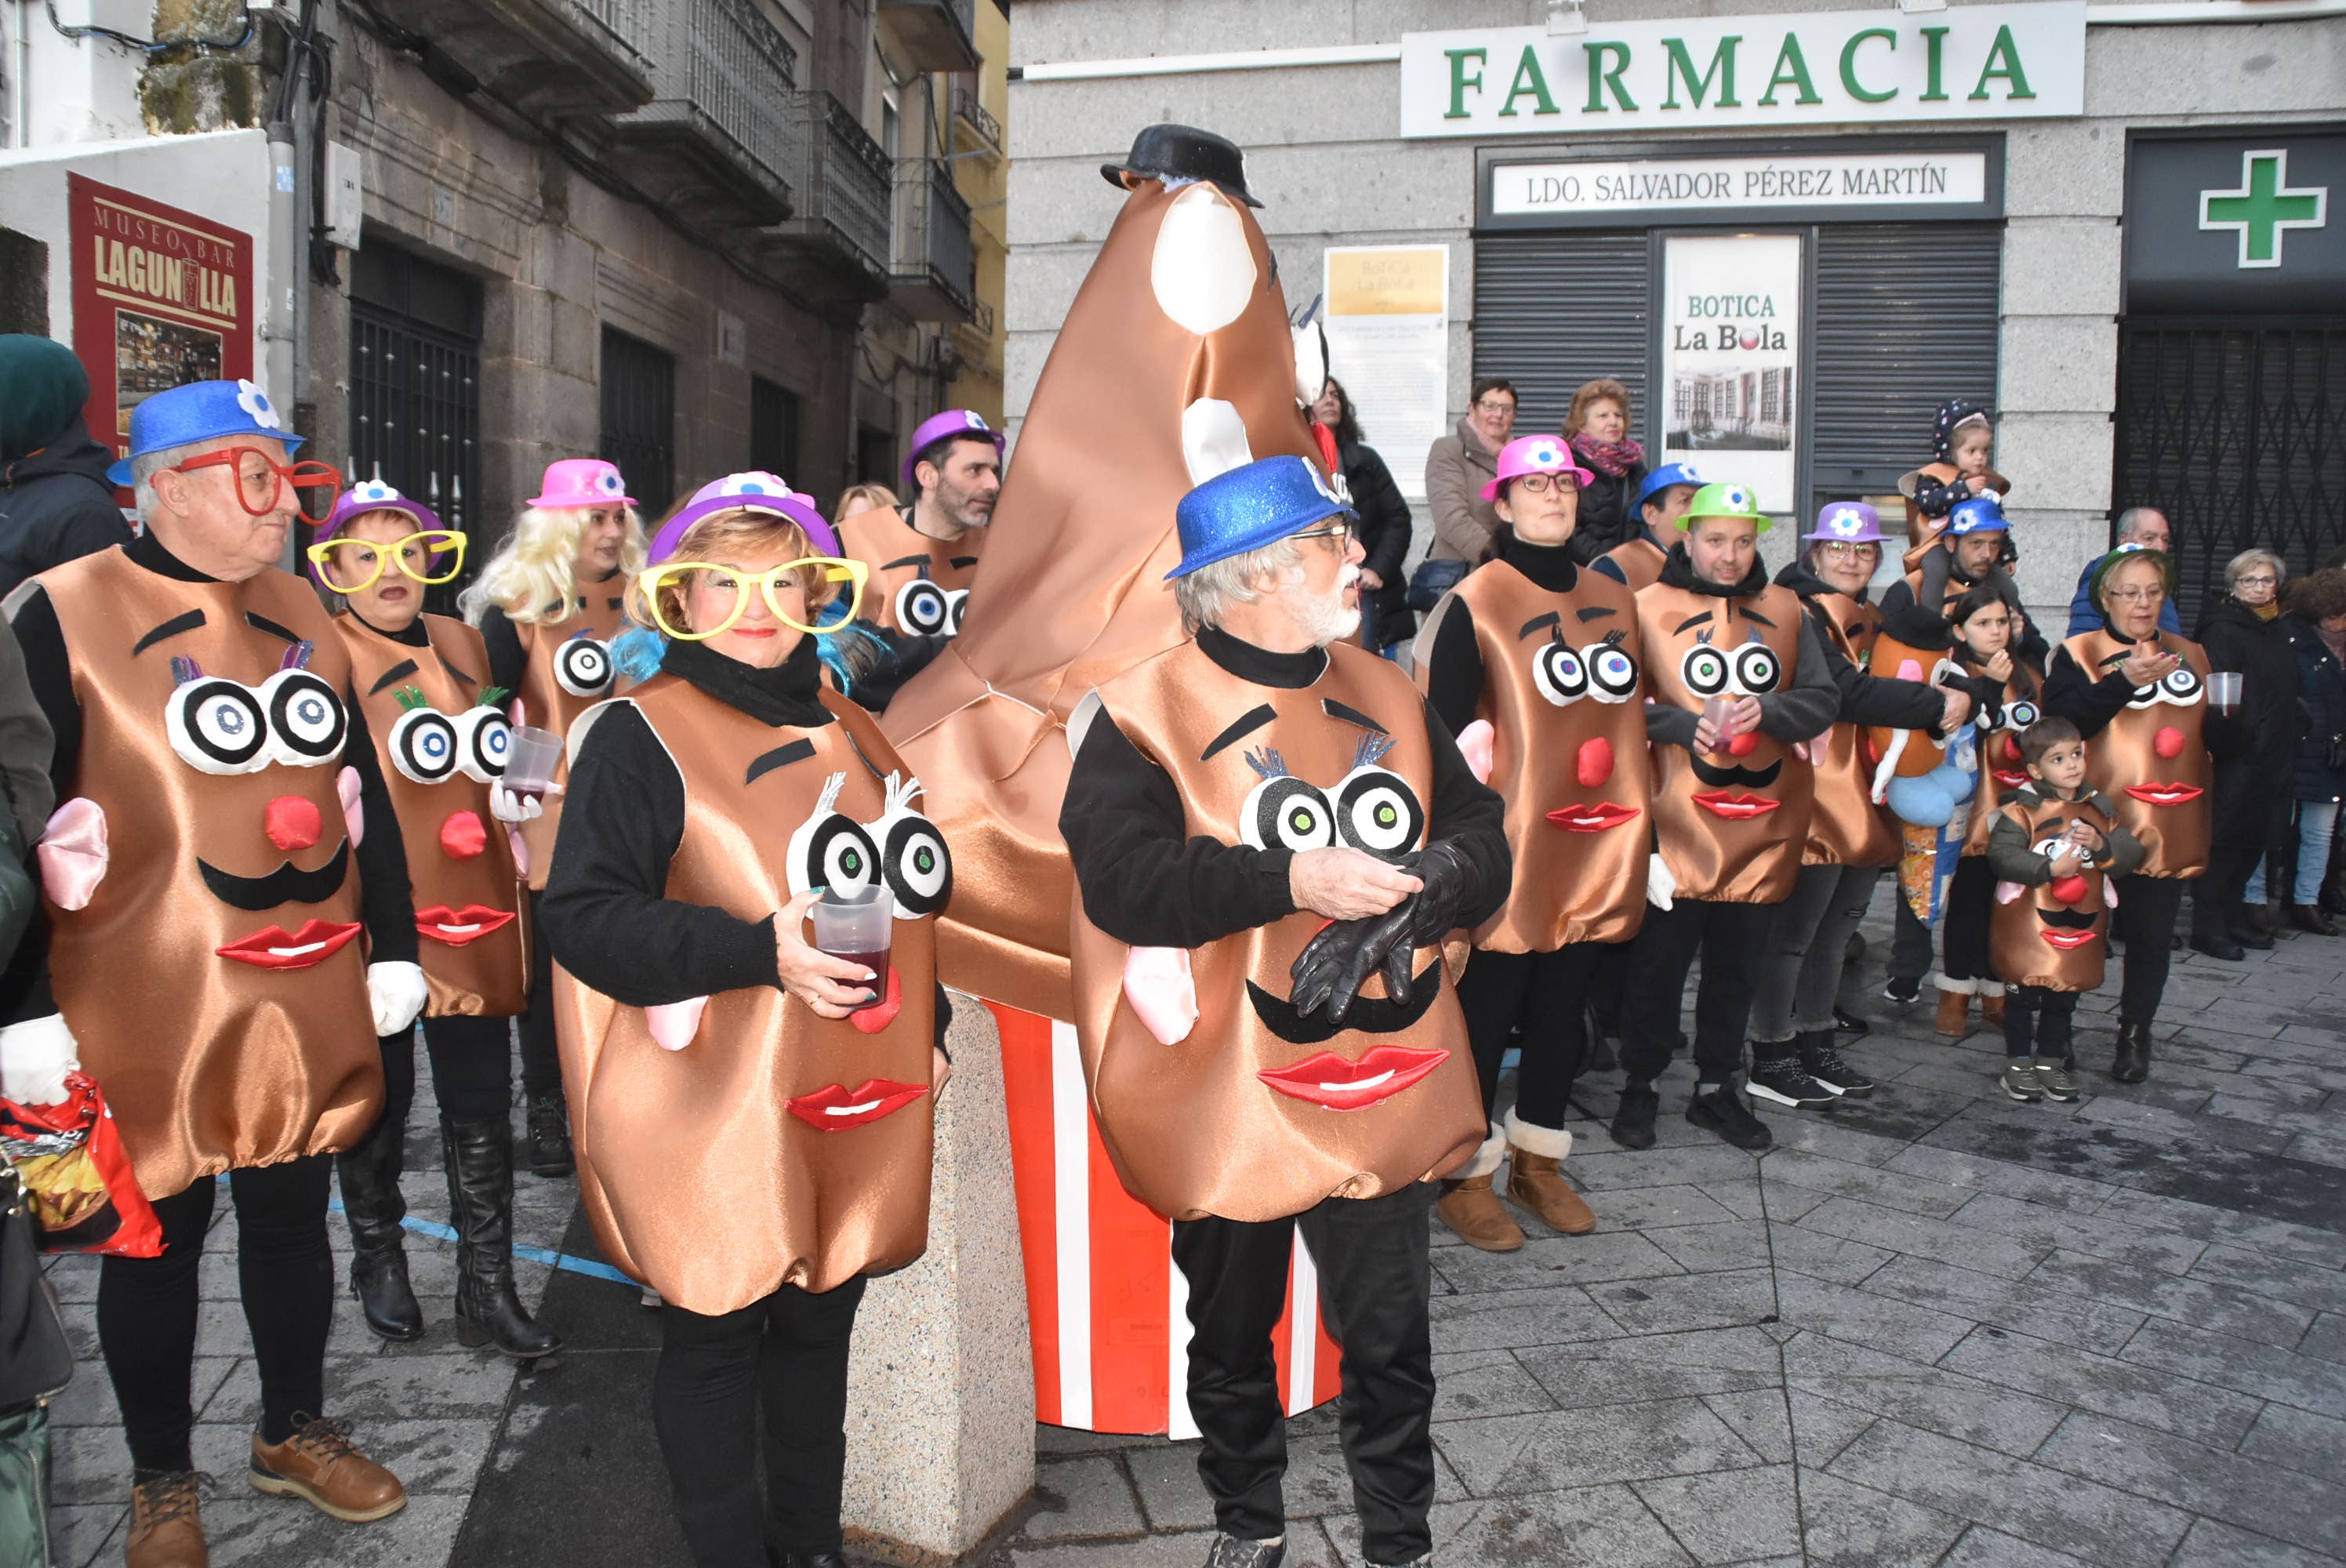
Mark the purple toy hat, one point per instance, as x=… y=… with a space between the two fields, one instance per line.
x=750 y=492
x=373 y=495
x=582 y=482
x=1535 y=454
x=1848 y=523
x=937 y=427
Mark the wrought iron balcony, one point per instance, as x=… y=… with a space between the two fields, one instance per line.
x=974 y=126
x=714 y=143
x=934 y=35
x=553 y=57
x=935 y=275
x=835 y=246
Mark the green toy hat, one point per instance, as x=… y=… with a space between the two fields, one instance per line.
x=1725 y=501
x=2103 y=567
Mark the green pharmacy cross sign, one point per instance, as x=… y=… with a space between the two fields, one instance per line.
x=2264 y=206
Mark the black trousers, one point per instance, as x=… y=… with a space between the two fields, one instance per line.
x=1546 y=995
x=2039 y=1022
x=2216 y=900
x=285 y=1273
x=541 y=1063
x=2145 y=921
x=472 y=1069
x=766 y=1383
x=1970 y=899
x=1734 y=944
x=1375 y=1285
x=1909 y=938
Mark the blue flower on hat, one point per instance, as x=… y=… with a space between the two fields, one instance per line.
x=1547 y=452
x=1847 y=521
x=977 y=421
x=1737 y=496
x=611 y=482
x=255 y=402
x=374 y=493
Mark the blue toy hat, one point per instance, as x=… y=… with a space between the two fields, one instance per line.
x=1979 y=514
x=1662 y=478
x=202 y=410
x=1258 y=503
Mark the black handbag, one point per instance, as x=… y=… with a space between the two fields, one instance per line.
x=1431 y=581
x=35 y=1358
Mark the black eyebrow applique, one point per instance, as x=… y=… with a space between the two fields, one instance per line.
x=920 y=561
x=615 y=602
x=854 y=745
x=798 y=750
x=1538 y=623
x=191 y=621
x=1701 y=620
x=461 y=676
x=1335 y=710
x=394 y=675
x=1250 y=721
x=263 y=623
x=963 y=562
x=1756 y=618
x=1588 y=613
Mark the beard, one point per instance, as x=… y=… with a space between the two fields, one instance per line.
x=1325 y=617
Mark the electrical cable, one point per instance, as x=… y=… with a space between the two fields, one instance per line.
x=154 y=46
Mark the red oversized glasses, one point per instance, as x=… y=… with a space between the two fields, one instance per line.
x=259 y=476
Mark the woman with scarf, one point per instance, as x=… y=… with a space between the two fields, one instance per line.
x=1597 y=426
x=2243 y=632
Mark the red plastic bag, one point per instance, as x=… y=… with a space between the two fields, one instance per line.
x=78 y=1179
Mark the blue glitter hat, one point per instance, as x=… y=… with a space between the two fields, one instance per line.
x=202 y=410
x=1253 y=505
x=1662 y=478
x=1979 y=514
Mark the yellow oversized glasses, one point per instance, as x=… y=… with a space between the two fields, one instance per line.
x=351 y=566
x=732 y=584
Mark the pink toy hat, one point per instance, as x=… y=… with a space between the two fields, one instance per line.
x=751 y=492
x=1535 y=454
x=582 y=482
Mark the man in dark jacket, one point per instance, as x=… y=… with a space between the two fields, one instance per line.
x=55 y=503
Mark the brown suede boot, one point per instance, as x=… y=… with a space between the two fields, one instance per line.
x=1471 y=1210
x=321 y=1466
x=166 y=1527
x=1992 y=1008
x=1954 y=1013
x=1536 y=1182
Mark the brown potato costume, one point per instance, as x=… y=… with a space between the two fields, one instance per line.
x=917 y=586
x=568 y=670
x=2152 y=759
x=1639 y=560
x=1845 y=827
x=2055 y=936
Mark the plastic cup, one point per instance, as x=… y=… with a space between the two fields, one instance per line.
x=859 y=930
x=1720 y=711
x=2224 y=691
x=530 y=764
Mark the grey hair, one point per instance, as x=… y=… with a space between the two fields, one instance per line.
x=2131 y=519
x=1207 y=593
x=148 y=465
x=2246 y=558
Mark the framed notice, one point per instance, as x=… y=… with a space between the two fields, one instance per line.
x=1730 y=328
x=161 y=298
x=1388 y=322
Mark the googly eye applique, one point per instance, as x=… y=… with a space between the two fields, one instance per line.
x=833 y=850
x=1282 y=811
x=484 y=741
x=924 y=609
x=2182 y=686
x=912 y=854
x=423 y=744
x=582 y=666
x=1704 y=670
x=223 y=727
x=1560 y=673
x=1378 y=813
x=957 y=607
x=1757 y=669
x=1612 y=673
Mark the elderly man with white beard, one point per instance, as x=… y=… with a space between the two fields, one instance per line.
x=1273 y=833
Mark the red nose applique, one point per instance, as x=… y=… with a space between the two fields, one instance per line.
x=462 y=835
x=2168 y=742
x=1594 y=764
x=2011 y=752
x=293 y=823
x=2070 y=891
x=1744 y=745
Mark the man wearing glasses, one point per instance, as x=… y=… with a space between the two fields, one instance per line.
x=208 y=747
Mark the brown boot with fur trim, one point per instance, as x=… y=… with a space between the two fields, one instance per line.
x=1535 y=1180
x=1468 y=1206
x=1955 y=1012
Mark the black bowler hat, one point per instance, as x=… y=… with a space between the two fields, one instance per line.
x=1184 y=152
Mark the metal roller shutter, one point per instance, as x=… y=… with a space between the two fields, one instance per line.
x=1552 y=310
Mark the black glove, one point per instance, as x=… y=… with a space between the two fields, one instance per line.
x=1333 y=966
x=1450 y=879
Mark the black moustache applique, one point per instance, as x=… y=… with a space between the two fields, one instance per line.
x=288 y=884
x=1748 y=777
x=2069 y=920
x=1368 y=1015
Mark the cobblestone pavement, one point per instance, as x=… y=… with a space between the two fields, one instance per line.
x=1933 y=1327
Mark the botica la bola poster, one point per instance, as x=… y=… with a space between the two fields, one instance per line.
x=1730 y=348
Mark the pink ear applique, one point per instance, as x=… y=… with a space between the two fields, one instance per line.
x=2110 y=892
x=346 y=784
x=1163 y=994
x=74 y=852
x=1475 y=745
x=1910 y=669
x=674 y=1024
x=2007 y=891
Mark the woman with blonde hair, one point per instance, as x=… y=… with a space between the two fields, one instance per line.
x=2255 y=753
x=754 y=1113
x=548 y=603
x=1597 y=427
x=858 y=498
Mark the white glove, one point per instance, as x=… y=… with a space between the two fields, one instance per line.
x=397 y=993
x=507 y=806
x=35 y=1057
x=1660 y=886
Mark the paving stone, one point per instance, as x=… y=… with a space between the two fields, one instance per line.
x=79 y=1536
x=1082 y=1498
x=1918 y=1333
x=1485 y=1383
x=1844 y=1525
x=1928 y=1397
x=2326 y=1340
x=2212 y=1223
x=2222 y=1308
x=2302 y=1382
x=1623 y=1170
x=2199 y=1411
x=2283 y=1279
x=2315 y=1445
x=2021 y=1305
x=1708 y=1249
x=1730 y=1518
x=1825 y=1135
x=1843 y=1178
x=1983 y=1548
x=1504 y=1455
x=1959 y=1168
x=1607 y=1524
x=2297 y=1509
x=1823 y=1428
x=1548 y=1260
x=1759 y=1419
x=1654 y=1207
x=1917 y=1236
x=2047 y=1230
x=2213 y=1544
x=1684 y=1301
x=242 y=1526
x=1825 y=1256
x=1511 y=1319
x=1619 y=1370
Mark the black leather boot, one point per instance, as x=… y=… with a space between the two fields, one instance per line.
x=479 y=1157
x=2130 y=1063
x=549 y=1136
x=372 y=1203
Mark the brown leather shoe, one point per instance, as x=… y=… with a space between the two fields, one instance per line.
x=1536 y=1182
x=1471 y=1210
x=1954 y=1013
x=166 y=1528
x=1992 y=1009
x=321 y=1466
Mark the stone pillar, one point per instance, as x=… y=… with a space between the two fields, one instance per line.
x=940 y=1393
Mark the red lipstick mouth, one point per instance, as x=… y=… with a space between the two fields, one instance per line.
x=2067 y=941
x=2009 y=779
x=275 y=948
x=1591 y=818
x=1735 y=806
x=459 y=927
x=1328 y=1080
x=2175 y=794
x=832 y=1109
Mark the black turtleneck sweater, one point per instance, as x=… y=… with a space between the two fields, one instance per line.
x=1147 y=884
x=386 y=905
x=1801 y=711
x=1453 y=667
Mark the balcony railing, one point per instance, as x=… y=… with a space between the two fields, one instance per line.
x=934 y=35
x=972 y=116
x=935 y=274
x=715 y=142
x=555 y=57
x=835 y=242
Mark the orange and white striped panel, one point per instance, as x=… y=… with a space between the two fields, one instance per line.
x=1102 y=1294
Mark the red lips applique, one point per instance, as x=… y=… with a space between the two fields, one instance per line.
x=2066 y=941
x=275 y=948
x=2172 y=794
x=1736 y=805
x=459 y=927
x=833 y=1109
x=1593 y=818
x=1328 y=1080
x=2009 y=778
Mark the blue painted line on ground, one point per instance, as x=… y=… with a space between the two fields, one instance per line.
x=585 y=1266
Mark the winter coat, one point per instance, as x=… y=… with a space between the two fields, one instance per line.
x=2253 y=749
x=2321 y=695
x=56 y=506
x=1385 y=536
x=1456 y=469
x=1606 y=518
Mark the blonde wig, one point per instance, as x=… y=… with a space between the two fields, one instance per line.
x=863 y=498
x=529 y=575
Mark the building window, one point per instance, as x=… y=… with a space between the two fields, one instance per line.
x=774 y=430
x=415 y=388
x=875 y=457
x=639 y=418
